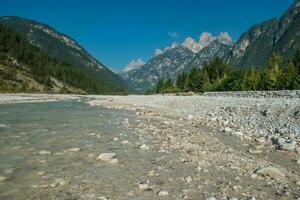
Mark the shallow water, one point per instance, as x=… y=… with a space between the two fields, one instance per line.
x=56 y=127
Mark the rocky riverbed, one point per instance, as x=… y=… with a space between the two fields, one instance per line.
x=150 y=147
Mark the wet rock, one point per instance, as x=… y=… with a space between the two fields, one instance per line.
x=74 y=149
x=144 y=147
x=271 y=172
x=108 y=157
x=125 y=142
x=2 y=178
x=41 y=173
x=163 y=193
x=45 y=152
x=58 y=182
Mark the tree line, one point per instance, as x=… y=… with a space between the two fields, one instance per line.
x=219 y=76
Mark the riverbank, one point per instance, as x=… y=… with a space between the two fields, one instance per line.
x=147 y=147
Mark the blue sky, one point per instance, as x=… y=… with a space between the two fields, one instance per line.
x=117 y=31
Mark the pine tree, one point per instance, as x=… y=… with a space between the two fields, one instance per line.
x=159 y=86
x=273 y=72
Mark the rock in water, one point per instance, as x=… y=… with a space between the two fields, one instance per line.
x=45 y=153
x=163 y=193
x=2 y=178
x=271 y=172
x=108 y=157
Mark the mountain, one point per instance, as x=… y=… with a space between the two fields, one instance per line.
x=178 y=58
x=276 y=35
x=63 y=48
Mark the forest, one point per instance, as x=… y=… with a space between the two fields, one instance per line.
x=18 y=54
x=219 y=76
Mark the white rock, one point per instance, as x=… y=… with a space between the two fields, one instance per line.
x=227 y=130
x=144 y=147
x=143 y=186
x=2 y=178
x=163 y=193
x=210 y=198
x=116 y=139
x=190 y=117
x=107 y=157
x=74 y=149
x=125 y=142
x=45 y=153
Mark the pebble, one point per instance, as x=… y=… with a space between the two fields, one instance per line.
x=227 y=130
x=2 y=178
x=143 y=186
x=58 y=182
x=255 y=151
x=74 y=149
x=45 y=152
x=163 y=193
x=125 y=142
x=144 y=147
x=210 y=198
x=108 y=157
x=271 y=172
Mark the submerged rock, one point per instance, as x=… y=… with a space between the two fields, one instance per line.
x=2 y=178
x=163 y=193
x=108 y=157
x=45 y=152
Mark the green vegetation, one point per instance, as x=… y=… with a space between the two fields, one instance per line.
x=19 y=56
x=218 y=76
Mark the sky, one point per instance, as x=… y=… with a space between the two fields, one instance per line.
x=118 y=31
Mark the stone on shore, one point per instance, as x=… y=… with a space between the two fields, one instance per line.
x=271 y=172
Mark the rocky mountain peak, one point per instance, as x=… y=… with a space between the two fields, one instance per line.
x=134 y=64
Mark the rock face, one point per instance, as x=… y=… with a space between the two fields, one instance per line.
x=62 y=47
x=178 y=58
x=276 y=35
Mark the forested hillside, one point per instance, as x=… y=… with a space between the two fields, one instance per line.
x=26 y=68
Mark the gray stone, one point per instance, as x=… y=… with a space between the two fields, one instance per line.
x=163 y=193
x=271 y=172
x=108 y=157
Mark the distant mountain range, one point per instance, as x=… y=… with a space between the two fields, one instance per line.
x=63 y=48
x=252 y=50
x=177 y=58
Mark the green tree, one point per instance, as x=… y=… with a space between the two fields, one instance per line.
x=273 y=72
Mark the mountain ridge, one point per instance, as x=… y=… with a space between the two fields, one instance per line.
x=62 y=47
